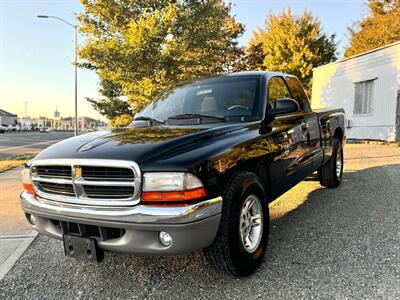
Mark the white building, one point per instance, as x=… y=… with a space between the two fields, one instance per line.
x=26 y=123
x=7 y=118
x=367 y=86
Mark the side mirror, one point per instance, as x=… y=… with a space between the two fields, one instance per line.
x=283 y=106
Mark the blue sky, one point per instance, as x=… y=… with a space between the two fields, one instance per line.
x=36 y=54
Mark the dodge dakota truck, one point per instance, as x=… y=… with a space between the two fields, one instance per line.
x=196 y=169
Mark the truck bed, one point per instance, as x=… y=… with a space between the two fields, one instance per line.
x=321 y=112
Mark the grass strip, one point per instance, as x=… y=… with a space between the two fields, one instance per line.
x=14 y=161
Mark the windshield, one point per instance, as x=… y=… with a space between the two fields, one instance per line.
x=221 y=97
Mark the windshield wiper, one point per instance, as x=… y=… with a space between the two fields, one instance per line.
x=152 y=120
x=195 y=116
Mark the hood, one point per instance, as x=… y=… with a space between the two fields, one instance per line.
x=139 y=144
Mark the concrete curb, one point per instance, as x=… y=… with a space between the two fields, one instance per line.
x=11 y=249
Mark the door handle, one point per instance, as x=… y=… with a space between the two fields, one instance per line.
x=304 y=126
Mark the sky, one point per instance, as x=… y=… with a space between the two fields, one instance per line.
x=36 y=54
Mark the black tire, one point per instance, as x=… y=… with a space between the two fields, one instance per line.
x=327 y=174
x=227 y=253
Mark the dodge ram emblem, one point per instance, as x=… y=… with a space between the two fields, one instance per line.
x=77 y=172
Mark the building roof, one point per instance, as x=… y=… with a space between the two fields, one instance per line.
x=6 y=113
x=361 y=54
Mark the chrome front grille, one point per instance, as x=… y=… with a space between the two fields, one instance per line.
x=87 y=181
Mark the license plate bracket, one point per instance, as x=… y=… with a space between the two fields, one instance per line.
x=82 y=248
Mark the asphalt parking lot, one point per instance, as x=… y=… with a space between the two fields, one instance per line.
x=341 y=243
x=17 y=143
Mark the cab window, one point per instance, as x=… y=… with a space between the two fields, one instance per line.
x=277 y=89
x=298 y=93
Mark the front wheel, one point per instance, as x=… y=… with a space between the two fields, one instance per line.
x=242 y=237
x=330 y=174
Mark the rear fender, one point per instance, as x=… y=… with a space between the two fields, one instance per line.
x=332 y=127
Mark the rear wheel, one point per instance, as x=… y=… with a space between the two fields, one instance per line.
x=330 y=174
x=242 y=237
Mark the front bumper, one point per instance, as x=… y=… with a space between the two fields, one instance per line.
x=192 y=227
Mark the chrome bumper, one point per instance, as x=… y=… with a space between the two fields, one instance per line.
x=192 y=227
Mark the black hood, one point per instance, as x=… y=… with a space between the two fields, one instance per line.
x=139 y=144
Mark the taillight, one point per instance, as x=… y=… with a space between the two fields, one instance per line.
x=171 y=187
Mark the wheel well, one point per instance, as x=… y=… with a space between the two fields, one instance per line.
x=338 y=134
x=252 y=167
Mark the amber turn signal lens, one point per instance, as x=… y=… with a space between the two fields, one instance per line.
x=29 y=188
x=174 y=195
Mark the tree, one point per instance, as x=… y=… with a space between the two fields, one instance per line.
x=380 y=28
x=255 y=56
x=291 y=44
x=251 y=58
x=117 y=110
x=146 y=46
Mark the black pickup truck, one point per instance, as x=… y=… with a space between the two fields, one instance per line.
x=196 y=169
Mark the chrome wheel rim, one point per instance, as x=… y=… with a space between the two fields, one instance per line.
x=339 y=163
x=251 y=223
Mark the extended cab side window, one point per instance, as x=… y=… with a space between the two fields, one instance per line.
x=298 y=93
x=277 y=89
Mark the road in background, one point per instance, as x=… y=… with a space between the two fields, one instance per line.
x=18 y=143
x=324 y=243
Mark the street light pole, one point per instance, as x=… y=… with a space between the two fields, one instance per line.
x=75 y=64
x=76 y=79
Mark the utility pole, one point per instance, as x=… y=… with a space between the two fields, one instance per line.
x=26 y=110
x=76 y=79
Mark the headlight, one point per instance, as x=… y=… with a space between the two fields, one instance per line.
x=173 y=181
x=171 y=186
x=26 y=180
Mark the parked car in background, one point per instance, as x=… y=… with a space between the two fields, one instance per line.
x=196 y=169
x=3 y=129
x=44 y=130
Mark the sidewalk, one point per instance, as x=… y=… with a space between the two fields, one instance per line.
x=15 y=232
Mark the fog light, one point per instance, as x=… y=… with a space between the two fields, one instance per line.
x=165 y=238
x=31 y=219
